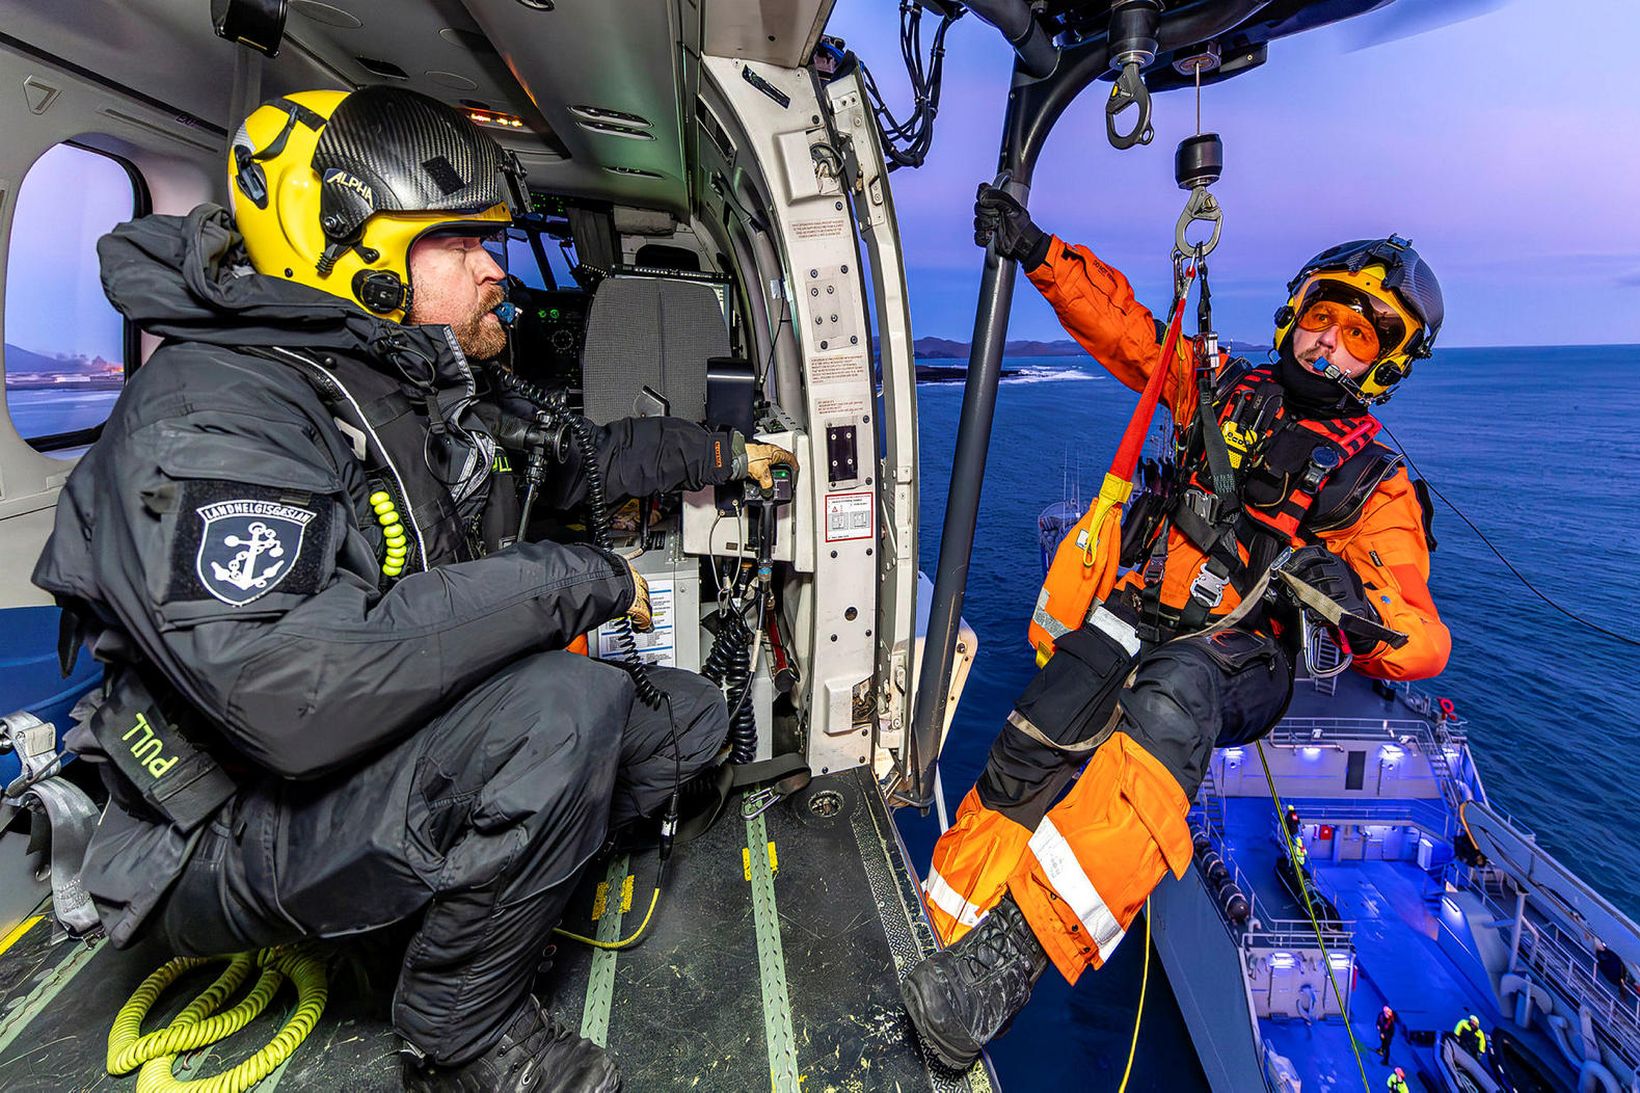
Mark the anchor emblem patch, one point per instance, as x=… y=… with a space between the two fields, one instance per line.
x=247 y=547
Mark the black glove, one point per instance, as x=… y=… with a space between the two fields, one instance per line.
x=1331 y=576
x=998 y=216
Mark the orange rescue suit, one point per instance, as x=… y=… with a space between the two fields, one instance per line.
x=1385 y=544
x=1082 y=871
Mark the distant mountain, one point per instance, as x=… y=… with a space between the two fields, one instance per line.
x=19 y=359
x=946 y=349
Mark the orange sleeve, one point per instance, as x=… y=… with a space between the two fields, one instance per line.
x=1095 y=305
x=1386 y=547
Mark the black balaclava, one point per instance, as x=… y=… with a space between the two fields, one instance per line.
x=1310 y=394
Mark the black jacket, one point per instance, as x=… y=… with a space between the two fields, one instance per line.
x=324 y=661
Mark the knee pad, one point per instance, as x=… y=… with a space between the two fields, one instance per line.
x=1071 y=699
x=1205 y=691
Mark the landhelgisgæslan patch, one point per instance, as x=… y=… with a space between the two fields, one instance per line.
x=247 y=546
x=291 y=550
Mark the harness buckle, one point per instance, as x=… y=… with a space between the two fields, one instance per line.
x=1202 y=503
x=1208 y=587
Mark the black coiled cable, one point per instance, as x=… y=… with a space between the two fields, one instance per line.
x=729 y=665
x=580 y=432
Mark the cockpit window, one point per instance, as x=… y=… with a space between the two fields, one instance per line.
x=522 y=263
x=66 y=348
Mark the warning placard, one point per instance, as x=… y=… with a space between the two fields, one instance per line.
x=839 y=368
x=831 y=227
x=660 y=645
x=849 y=516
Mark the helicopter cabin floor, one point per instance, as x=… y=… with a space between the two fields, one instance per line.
x=773 y=959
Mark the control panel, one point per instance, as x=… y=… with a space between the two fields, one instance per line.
x=548 y=335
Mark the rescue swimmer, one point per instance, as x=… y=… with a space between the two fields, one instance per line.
x=335 y=699
x=1048 y=860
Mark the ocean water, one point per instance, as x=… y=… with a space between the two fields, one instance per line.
x=1541 y=449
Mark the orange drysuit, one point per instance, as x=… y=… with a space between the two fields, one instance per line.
x=1081 y=870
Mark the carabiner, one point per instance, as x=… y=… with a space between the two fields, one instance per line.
x=1204 y=207
x=1129 y=90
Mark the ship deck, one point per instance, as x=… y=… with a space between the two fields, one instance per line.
x=1399 y=926
x=774 y=958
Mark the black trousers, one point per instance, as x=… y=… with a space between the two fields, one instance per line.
x=480 y=823
x=1179 y=701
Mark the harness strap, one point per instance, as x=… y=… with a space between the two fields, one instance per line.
x=1080 y=747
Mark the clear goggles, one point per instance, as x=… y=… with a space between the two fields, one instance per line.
x=1370 y=327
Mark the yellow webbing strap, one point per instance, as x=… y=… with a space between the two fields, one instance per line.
x=200 y=1024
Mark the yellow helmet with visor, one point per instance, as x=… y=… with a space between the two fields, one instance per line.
x=1385 y=301
x=331 y=189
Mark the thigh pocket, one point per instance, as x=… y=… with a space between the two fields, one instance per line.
x=1072 y=697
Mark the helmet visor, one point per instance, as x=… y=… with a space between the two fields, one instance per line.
x=1370 y=327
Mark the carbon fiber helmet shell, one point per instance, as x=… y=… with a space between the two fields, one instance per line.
x=331 y=189
x=1386 y=267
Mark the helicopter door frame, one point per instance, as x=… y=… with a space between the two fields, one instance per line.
x=877 y=224
x=783 y=151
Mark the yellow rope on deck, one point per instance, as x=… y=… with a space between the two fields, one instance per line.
x=200 y=1024
x=1315 y=923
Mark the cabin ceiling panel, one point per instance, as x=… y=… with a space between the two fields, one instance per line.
x=162 y=48
x=587 y=64
x=778 y=32
x=629 y=57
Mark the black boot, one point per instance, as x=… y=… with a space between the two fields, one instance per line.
x=536 y=1054
x=962 y=997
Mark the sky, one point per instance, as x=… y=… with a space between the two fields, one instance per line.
x=54 y=303
x=1514 y=171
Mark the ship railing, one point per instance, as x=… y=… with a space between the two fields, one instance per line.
x=1299 y=933
x=1567 y=967
x=1425 y=813
x=1293 y=732
x=1437 y=743
x=1216 y=839
x=1421 y=702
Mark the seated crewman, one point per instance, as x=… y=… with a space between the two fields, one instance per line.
x=354 y=703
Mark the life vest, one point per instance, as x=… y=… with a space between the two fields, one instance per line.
x=1293 y=477
x=389 y=436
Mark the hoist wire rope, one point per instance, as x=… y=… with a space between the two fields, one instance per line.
x=1535 y=590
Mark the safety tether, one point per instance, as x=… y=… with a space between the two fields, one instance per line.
x=1084 y=568
x=200 y=1024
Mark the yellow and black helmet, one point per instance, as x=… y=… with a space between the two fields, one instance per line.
x=332 y=188
x=1393 y=289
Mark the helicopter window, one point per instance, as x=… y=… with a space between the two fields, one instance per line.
x=66 y=349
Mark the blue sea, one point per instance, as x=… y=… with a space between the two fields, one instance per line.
x=1541 y=449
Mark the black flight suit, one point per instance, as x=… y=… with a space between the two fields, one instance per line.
x=416 y=746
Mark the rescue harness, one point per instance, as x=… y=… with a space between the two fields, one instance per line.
x=1256 y=480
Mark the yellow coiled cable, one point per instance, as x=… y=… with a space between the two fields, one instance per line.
x=199 y=1024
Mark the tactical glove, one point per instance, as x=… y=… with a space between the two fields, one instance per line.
x=1331 y=576
x=999 y=218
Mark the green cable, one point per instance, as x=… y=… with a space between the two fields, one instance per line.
x=199 y=1024
x=1309 y=909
